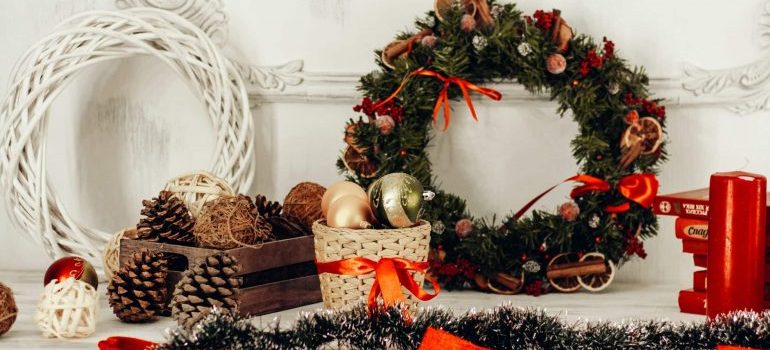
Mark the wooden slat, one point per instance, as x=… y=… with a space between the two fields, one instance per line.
x=275 y=254
x=279 y=296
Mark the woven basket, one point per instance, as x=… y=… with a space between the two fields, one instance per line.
x=331 y=244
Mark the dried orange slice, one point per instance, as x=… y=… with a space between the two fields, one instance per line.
x=646 y=132
x=564 y=284
x=359 y=163
x=506 y=284
x=600 y=281
x=350 y=137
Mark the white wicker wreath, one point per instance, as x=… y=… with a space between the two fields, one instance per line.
x=90 y=38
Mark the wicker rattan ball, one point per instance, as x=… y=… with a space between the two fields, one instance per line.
x=8 y=309
x=67 y=309
x=197 y=188
x=229 y=222
x=303 y=203
x=111 y=253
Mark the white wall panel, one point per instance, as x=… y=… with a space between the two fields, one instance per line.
x=124 y=127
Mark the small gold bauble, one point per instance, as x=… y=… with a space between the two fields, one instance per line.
x=339 y=190
x=350 y=212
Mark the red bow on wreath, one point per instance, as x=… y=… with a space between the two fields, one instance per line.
x=638 y=188
x=443 y=96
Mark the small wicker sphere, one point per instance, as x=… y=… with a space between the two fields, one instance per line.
x=198 y=188
x=67 y=309
x=8 y=309
x=111 y=252
x=303 y=203
x=229 y=222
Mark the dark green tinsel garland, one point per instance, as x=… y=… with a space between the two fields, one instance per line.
x=505 y=327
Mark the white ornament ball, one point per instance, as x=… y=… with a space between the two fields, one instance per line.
x=67 y=309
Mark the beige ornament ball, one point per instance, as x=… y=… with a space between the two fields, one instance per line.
x=303 y=203
x=8 y=309
x=111 y=252
x=67 y=309
x=350 y=212
x=339 y=190
x=556 y=64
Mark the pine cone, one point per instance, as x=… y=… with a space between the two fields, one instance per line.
x=283 y=227
x=166 y=220
x=210 y=284
x=266 y=208
x=137 y=292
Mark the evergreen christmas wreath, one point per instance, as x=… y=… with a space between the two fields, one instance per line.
x=457 y=48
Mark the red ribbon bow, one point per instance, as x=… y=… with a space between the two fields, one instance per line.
x=435 y=339
x=390 y=275
x=638 y=188
x=126 y=343
x=443 y=96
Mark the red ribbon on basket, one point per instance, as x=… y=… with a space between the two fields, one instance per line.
x=436 y=339
x=638 y=188
x=734 y=347
x=443 y=96
x=390 y=275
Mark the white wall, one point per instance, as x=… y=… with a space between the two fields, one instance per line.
x=123 y=128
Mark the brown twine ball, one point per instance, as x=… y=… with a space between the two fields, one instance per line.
x=8 y=309
x=303 y=203
x=229 y=222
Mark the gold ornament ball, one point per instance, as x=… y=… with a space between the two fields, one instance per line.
x=303 y=203
x=350 y=212
x=71 y=267
x=396 y=199
x=339 y=190
x=8 y=309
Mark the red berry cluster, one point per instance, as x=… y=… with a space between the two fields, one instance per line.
x=390 y=108
x=609 y=48
x=461 y=267
x=651 y=107
x=594 y=60
x=635 y=246
x=534 y=288
x=543 y=20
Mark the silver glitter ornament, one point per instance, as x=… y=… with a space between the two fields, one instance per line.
x=438 y=227
x=594 y=221
x=531 y=266
x=524 y=49
x=479 y=42
x=614 y=88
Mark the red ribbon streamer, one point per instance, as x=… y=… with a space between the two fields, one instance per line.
x=638 y=188
x=390 y=275
x=734 y=347
x=436 y=339
x=443 y=96
x=126 y=343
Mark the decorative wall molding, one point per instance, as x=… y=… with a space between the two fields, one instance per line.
x=745 y=88
x=319 y=87
x=210 y=16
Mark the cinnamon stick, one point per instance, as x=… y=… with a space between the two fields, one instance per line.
x=397 y=48
x=574 y=269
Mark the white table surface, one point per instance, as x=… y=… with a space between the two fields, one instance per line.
x=619 y=302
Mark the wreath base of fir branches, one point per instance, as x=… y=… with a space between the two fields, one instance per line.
x=505 y=327
x=621 y=134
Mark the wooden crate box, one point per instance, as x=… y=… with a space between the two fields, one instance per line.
x=278 y=276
